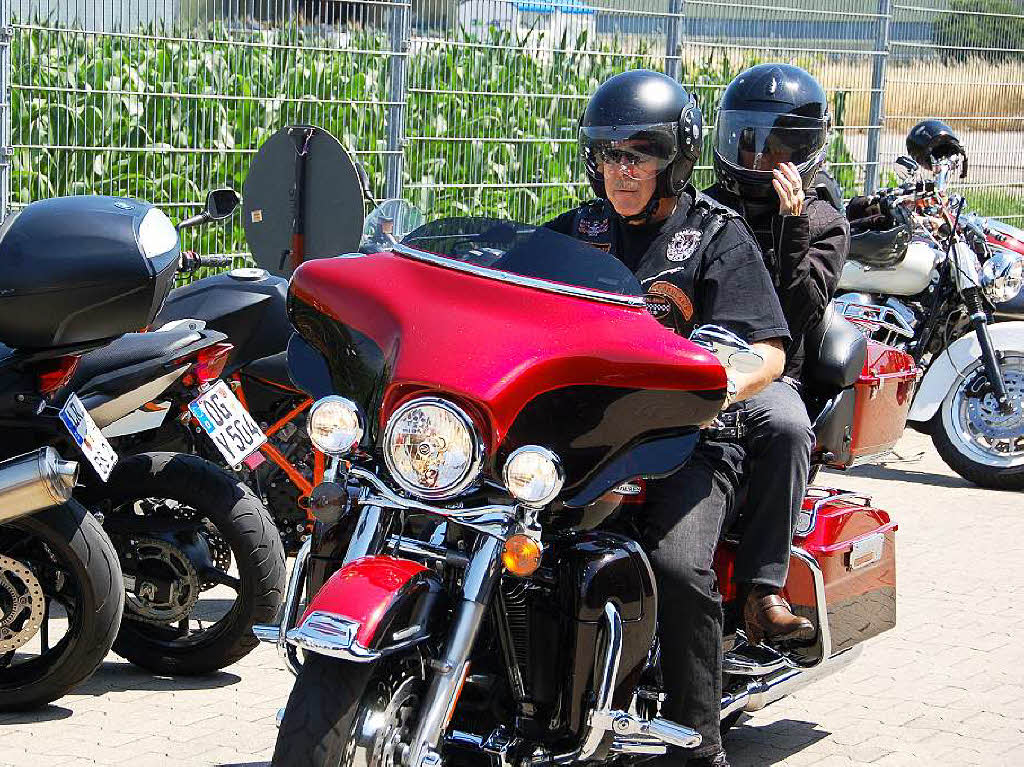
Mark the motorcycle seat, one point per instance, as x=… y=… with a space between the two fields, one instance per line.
x=835 y=351
x=273 y=368
x=131 y=349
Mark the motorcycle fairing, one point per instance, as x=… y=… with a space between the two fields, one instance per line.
x=515 y=357
x=370 y=607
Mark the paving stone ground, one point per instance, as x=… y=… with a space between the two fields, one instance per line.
x=946 y=687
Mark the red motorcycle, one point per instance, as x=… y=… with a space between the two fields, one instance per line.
x=491 y=396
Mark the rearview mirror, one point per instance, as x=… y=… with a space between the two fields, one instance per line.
x=221 y=203
x=731 y=350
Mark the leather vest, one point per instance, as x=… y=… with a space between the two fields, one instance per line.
x=671 y=269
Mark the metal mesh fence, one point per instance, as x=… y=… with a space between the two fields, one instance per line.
x=472 y=105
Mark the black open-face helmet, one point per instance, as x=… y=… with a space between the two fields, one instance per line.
x=932 y=140
x=646 y=122
x=770 y=114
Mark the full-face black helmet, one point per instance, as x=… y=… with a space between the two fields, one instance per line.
x=932 y=140
x=770 y=114
x=644 y=120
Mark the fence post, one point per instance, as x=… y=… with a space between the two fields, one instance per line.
x=877 y=117
x=400 y=27
x=674 y=38
x=6 y=154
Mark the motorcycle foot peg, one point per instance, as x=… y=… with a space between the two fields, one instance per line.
x=673 y=734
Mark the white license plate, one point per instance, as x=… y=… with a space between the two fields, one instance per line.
x=90 y=440
x=229 y=424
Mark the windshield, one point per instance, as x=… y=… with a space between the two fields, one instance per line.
x=527 y=251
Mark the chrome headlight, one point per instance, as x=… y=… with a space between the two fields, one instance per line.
x=533 y=475
x=1002 y=276
x=335 y=425
x=432 y=448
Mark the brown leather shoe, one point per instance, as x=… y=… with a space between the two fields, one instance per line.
x=768 y=616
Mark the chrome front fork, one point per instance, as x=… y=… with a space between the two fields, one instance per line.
x=481 y=578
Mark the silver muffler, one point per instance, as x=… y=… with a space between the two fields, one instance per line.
x=35 y=481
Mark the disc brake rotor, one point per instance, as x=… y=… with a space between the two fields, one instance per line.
x=987 y=420
x=385 y=723
x=166 y=583
x=22 y=604
x=220 y=549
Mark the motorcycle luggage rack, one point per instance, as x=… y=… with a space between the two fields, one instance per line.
x=822 y=496
x=878 y=317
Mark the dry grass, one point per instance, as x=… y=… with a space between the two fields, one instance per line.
x=991 y=95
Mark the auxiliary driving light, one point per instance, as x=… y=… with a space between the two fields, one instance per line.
x=533 y=475
x=335 y=425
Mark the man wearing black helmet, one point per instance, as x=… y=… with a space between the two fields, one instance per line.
x=770 y=141
x=640 y=137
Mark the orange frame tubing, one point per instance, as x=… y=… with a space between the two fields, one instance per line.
x=305 y=486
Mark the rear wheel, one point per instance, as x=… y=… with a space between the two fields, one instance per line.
x=974 y=438
x=202 y=559
x=342 y=713
x=61 y=597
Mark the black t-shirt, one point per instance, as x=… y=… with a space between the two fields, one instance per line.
x=734 y=290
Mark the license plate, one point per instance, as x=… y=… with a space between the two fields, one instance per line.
x=229 y=424
x=87 y=436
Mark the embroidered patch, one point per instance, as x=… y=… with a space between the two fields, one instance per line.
x=605 y=246
x=676 y=296
x=659 y=306
x=684 y=244
x=593 y=228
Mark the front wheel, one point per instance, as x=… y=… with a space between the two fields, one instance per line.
x=61 y=596
x=977 y=440
x=342 y=713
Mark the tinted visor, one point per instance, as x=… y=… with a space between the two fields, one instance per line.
x=637 y=151
x=761 y=141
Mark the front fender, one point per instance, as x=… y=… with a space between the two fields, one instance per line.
x=948 y=366
x=371 y=607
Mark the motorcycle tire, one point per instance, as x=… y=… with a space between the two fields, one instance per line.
x=243 y=524
x=960 y=453
x=320 y=717
x=75 y=541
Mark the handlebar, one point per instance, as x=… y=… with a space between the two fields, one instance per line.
x=191 y=261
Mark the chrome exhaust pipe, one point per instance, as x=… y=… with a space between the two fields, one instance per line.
x=35 y=481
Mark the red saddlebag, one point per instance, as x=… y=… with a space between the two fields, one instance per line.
x=853 y=545
x=884 y=391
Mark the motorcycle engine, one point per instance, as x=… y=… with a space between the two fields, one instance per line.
x=282 y=496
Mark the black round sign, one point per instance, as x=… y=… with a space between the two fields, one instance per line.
x=301 y=200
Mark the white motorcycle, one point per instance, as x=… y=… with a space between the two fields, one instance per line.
x=928 y=277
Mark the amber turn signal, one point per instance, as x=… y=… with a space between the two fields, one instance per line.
x=522 y=555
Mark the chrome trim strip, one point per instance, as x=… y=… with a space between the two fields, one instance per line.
x=276 y=633
x=331 y=635
x=476 y=462
x=517 y=279
x=821 y=607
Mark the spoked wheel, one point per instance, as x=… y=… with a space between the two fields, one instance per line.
x=202 y=559
x=61 y=597
x=343 y=714
x=974 y=437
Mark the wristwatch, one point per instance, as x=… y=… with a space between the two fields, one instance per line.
x=731 y=391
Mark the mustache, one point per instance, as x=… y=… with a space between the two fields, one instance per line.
x=622 y=185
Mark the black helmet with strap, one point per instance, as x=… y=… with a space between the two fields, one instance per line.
x=645 y=119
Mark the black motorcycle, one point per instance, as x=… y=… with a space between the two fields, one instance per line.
x=182 y=526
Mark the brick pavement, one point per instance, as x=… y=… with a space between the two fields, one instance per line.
x=945 y=687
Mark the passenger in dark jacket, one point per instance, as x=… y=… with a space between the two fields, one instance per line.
x=772 y=134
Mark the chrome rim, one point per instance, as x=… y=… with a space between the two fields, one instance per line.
x=975 y=424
